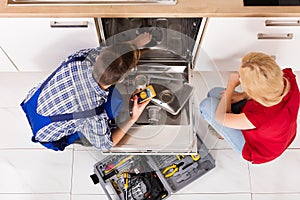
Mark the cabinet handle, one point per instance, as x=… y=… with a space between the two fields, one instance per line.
x=262 y=36
x=56 y=24
x=282 y=22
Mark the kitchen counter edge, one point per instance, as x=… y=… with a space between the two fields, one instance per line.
x=183 y=8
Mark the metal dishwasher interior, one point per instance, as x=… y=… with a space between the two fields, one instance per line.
x=167 y=61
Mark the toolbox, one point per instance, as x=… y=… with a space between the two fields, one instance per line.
x=138 y=177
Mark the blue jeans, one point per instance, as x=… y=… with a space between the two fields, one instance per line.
x=208 y=108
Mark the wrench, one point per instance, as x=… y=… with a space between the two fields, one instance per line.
x=187 y=169
x=183 y=177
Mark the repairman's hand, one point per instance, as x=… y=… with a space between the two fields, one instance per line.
x=138 y=108
x=142 y=39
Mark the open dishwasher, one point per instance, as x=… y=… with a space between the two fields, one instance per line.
x=167 y=124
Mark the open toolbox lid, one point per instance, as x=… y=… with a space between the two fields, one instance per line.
x=137 y=177
x=190 y=167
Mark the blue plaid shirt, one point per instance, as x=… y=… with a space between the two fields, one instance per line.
x=74 y=89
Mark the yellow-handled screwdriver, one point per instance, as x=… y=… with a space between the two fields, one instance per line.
x=126 y=184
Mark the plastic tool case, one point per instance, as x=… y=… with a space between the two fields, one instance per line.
x=138 y=177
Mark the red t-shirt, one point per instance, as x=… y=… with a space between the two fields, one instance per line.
x=276 y=126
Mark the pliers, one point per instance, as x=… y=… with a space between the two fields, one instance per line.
x=196 y=157
x=179 y=157
x=171 y=170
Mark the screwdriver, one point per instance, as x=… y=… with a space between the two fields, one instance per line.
x=126 y=184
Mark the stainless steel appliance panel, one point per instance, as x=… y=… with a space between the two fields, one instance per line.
x=176 y=35
x=167 y=61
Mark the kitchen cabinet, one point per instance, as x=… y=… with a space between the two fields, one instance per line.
x=226 y=40
x=41 y=44
x=5 y=63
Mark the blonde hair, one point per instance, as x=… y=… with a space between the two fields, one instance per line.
x=262 y=79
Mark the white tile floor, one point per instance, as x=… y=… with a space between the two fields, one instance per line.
x=30 y=172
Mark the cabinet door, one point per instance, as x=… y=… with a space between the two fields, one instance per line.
x=5 y=63
x=226 y=40
x=34 y=45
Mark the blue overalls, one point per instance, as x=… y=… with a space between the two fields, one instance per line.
x=112 y=107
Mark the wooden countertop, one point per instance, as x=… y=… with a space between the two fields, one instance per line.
x=183 y=8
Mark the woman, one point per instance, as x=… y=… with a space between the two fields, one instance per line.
x=267 y=122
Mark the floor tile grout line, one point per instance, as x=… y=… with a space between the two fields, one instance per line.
x=208 y=193
x=225 y=148
x=282 y=193
x=35 y=193
x=43 y=149
x=72 y=172
x=104 y=195
x=180 y=194
x=217 y=193
x=250 y=182
x=10 y=107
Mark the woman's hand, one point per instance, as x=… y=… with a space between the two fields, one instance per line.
x=142 y=40
x=236 y=96
x=137 y=108
x=233 y=80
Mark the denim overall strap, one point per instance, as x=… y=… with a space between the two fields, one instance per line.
x=38 y=121
x=114 y=103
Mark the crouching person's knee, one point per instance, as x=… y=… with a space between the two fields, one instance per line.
x=206 y=108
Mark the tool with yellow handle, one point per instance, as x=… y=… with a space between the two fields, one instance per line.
x=126 y=176
x=120 y=162
x=126 y=184
x=171 y=170
x=196 y=157
x=179 y=157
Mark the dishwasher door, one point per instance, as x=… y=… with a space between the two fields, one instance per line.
x=173 y=132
